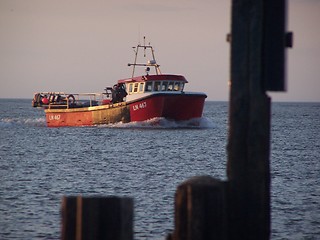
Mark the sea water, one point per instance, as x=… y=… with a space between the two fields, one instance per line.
x=147 y=161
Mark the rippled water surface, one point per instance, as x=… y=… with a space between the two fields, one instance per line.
x=39 y=165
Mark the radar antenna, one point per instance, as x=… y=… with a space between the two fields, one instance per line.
x=150 y=63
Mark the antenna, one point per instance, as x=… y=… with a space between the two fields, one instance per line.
x=151 y=63
x=144 y=44
x=139 y=34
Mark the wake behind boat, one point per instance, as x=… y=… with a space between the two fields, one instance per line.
x=137 y=98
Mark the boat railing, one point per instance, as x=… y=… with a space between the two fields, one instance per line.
x=70 y=100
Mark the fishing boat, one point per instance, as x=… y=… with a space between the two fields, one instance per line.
x=138 y=98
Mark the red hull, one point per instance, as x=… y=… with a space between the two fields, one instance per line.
x=171 y=106
x=176 y=107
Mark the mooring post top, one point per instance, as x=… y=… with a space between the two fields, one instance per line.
x=109 y=200
x=95 y=197
x=201 y=180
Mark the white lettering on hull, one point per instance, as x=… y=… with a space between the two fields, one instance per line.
x=54 y=117
x=139 y=106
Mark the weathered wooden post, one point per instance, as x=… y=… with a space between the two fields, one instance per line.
x=200 y=209
x=85 y=218
x=258 y=42
x=249 y=127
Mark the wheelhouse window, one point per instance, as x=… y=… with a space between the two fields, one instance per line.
x=182 y=87
x=164 y=86
x=130 y=87
x=141 y=87
x=157 y=86
x=177 y=86
x=135 y=89
x=148 y=86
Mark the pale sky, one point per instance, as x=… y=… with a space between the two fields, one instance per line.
x=85 y=45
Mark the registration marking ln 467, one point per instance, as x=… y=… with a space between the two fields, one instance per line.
x=139 y=106
x=54 y=117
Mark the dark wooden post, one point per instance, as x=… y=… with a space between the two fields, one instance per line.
x=97 y=218
x=249 y=126
x=258 y=42
x=200 y=209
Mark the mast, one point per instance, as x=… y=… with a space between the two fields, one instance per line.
x=150 y=63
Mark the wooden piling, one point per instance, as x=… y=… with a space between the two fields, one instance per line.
x=258 y=64
x=240 y=207
x=109 y=218
x=200 y=209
